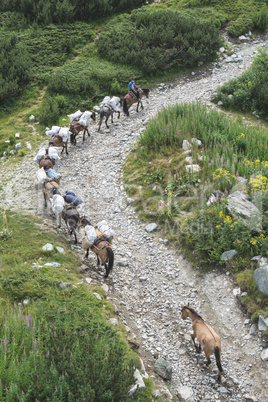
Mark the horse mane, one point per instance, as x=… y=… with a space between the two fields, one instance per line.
x=194 y=312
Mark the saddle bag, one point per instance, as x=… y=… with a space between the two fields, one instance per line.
x=51 y=173
x=75 y=115
x=57 y=203
x=85 y=119
x=71 y=198
x=39 y=178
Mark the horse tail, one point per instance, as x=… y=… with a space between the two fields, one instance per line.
x=125 y=109
x=218 y=358
x=111 y=260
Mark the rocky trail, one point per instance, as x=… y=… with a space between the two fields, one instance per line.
x=150 y=280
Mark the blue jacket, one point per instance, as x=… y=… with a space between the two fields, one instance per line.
x=131 y=84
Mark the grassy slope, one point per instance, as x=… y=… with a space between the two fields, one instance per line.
x=52 y=307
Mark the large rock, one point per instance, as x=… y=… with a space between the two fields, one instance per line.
x=151 y=227
x=48 y=247
x=228 y=255
x=197 y=142
x=261 y=279
x=192 y=168
x=163 y=368
x=185 y=394
x=186 y=145
x=238 y=205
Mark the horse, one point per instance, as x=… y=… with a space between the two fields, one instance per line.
x=130 y=99
x=50 y=187
x=102 y=248
x=76 y=128
x=107 y=111
x=72 y=219
x=46 y=162
x=56 y=141
x=206 y=336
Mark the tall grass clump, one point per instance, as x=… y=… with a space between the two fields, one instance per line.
x=249 y=91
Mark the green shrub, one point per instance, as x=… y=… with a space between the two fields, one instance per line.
x=249 y=91
x=49 y=113
x=159 y=40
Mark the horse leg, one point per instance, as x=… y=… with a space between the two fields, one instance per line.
x=45 y=199
x=107 y=271
x=100 y=124
x=112 y=117
x=75 y=237
x=84 y=133
x=196 y=347
x=59 y=225
x=62 y=150
x=98 y=260
x=86 y=256
x=88 y=133
x=138 y=106
x=118 y=115
x=106 y=121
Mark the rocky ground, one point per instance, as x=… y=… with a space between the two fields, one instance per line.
x=150 y=280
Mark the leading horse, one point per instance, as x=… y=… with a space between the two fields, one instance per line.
x=130 y=99
x=206 y=336
x=57 y=141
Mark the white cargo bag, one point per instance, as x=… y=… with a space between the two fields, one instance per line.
x=105 y=228
x=39 y=178
x=91 y=233
x=85 y=119
x=53 y=153
x=107 y=99
x=40 y=154
x=55 y=129
x=57 y=203
x=75 y=115
x=64 y=133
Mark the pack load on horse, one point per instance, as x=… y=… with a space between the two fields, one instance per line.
x=131 y=98
x=208 y=339
x=60 y=139
x=53 y=131
x=109 y=106
x=80 y=122
x=99 y=241
x=52 y=174
x=47 y=157
x=71 y=198
x=40 y=178
x=73 y=220
x=58 y=204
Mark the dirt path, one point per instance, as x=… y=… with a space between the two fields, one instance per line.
x=150 y=281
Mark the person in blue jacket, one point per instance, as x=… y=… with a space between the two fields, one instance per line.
x=132 y=87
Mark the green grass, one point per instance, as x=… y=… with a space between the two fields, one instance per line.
x=58 y=346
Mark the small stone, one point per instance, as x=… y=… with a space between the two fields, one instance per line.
x=31 y=117
x=113 y=321
x=236 y=292
x=222 y=49
x=220 y=103
x=244 y=294
x=185 y=394
x=253 y=330
x=197 y=142
x=97 y=296
x=264 y=355
x=122 y=263
x=52 y=265
x=192 y=168
x=139 y=385
x=28 y=145
x=262 y=323
x=17 y=135
x=48 y=247
x=223 y=390
x=250 y=398
x=105 y=288
x=193 y=73
x=228 y=255
x=151 y=227
x=130 y=200
x=88 y=280
x=18 y=146
x=186 y=145
x=26 y=301
x=60 y=250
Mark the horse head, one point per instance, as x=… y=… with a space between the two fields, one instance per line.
x=83 y=221
x=145 y=91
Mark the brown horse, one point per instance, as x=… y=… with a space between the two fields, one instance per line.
x=130 y=99
x=102 y=248
x=206 y=336
x=73 y=220
x=56 y=141
x=50 y=187
x=46 y=162
x=76 y=128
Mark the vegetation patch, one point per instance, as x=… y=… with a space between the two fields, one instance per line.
x=159 y=40
x=55 y=342
x=233 y=157
x=249 y=92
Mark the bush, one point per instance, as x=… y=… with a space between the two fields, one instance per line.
x=249 y=91
x=159 y=40
x=49 y=113
x=15 y=68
